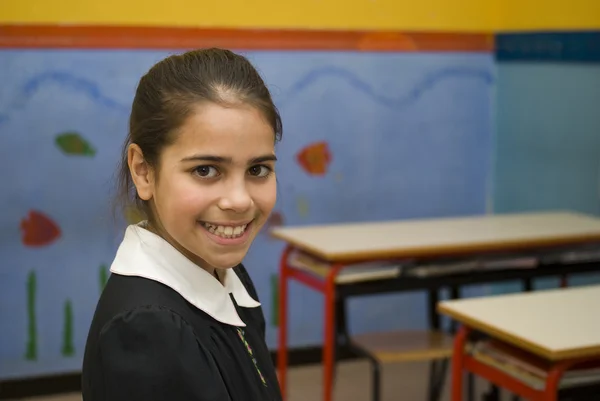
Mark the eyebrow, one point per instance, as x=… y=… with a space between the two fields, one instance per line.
x=227 y=160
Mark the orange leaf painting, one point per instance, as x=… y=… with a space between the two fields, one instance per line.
x=315 y=158
x=38 y=229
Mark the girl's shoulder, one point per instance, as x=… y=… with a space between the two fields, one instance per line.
x=132 y=296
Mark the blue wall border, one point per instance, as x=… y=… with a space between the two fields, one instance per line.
x=581 y=46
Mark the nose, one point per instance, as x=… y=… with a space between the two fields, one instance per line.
x=236 y=198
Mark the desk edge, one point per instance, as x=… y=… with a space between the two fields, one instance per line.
x=436 y=251
x=568 y=353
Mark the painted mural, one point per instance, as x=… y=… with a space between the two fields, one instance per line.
x=366 y=137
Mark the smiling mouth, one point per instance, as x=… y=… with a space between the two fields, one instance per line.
x=226 y=232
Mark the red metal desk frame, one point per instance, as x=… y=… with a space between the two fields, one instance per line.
x=461 y=363
x=327 y=287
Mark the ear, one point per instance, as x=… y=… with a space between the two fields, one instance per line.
x=141 y=173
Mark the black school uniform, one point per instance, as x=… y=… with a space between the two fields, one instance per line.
x=166 y=330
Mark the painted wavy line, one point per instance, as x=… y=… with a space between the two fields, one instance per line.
x=418 y=90
x=91 y=89
x=70 y=81
x=66 y=80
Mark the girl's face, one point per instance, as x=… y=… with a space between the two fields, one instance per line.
x=215 y=185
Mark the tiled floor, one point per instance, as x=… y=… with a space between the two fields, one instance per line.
x=400 y=382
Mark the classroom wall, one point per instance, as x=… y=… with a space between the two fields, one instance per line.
x=548 y=142
x=444 y=15
x=437 y=15
x=547 y=146
x=553 y=15
x=395 y=135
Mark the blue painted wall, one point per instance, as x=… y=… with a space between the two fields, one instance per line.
x=410 y=136
x=548 y=137
x=547 y=146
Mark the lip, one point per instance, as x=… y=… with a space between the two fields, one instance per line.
x=228 y=241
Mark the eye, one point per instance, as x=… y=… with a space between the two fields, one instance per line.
x=259 y=171
x=206 y=171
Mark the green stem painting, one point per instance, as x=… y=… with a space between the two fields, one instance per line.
x=31 y=346
x=274 y=300
x=68 y=349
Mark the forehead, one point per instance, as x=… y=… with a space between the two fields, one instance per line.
x=238 y=132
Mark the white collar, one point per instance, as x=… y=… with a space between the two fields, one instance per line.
x=145 y=254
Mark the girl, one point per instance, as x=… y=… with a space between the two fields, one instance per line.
x=179 y=319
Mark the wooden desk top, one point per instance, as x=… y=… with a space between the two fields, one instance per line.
x=554 y=324
x=446 y=236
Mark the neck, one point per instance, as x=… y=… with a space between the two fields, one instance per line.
x=159 y=230
x=216 y=274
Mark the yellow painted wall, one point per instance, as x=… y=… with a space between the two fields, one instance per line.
x=442 y=15
x=549 y=14
x=446 y=15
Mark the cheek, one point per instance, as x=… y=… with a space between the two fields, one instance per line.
x=182 y=197
x=196 y=199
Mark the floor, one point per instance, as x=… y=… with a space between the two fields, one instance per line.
x=400 y=382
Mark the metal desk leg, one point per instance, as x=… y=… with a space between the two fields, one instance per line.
x=470 y=387
x=375 y=372
x=553 y=380
x=376 y=380
x=341 y=331
x=282 y=361
x=455 y=293
x=437 y=377
x=493 y=394
x=329 y=339
x=527 y=287
x=343 y=338
x=458 y=363
x=437 y=368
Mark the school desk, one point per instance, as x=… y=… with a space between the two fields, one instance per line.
x=560 y=326
x=422 y=248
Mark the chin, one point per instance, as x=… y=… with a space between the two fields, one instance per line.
x=225 y=266
x=225 y=263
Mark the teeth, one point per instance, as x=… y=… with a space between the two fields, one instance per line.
x=225 y=232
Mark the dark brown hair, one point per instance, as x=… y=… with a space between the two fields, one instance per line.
x=168 y=93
